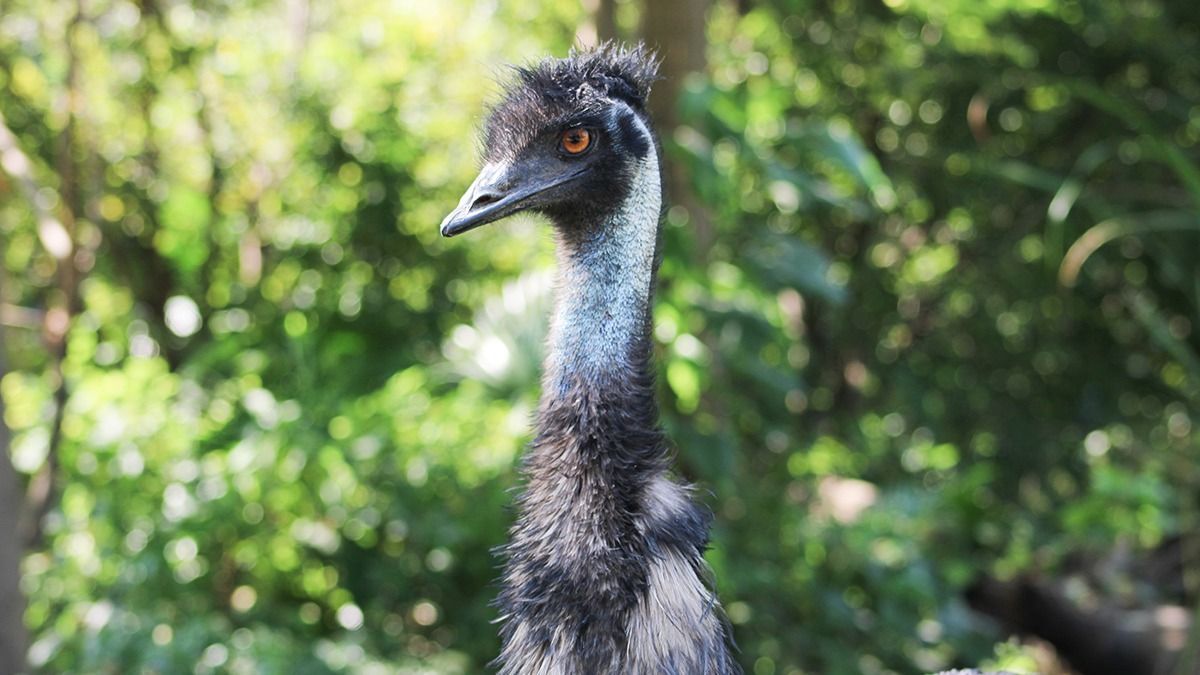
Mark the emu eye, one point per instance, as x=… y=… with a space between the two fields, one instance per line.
x=575 y=141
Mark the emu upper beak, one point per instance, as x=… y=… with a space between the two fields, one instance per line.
x=501 y=190
x=489 y=198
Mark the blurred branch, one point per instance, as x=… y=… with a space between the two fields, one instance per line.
x=15 y=316
x=1030 y=606
x=42 y=492
x=56 y=236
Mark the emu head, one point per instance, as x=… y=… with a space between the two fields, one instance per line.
x=563 y=141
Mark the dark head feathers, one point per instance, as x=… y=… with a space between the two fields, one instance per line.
x=555 y=90
x=609 y=70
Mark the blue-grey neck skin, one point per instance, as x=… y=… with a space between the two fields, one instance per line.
x=605 y=570
x=605 y=280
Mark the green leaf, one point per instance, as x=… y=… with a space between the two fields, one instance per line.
x=1068 y=194
x=840 y=144
x=1161 y=146
x=787 y=262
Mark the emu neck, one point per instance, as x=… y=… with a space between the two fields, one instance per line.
x=605 y=559
x=601 y=323
x=578 y=558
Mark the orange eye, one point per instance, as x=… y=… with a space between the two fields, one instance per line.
x=575 y=141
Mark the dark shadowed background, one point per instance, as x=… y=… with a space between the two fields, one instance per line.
x=929 y=311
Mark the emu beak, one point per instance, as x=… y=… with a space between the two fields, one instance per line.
x=485 y=201
x=496 y=194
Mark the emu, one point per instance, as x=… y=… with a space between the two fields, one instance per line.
x=604 y=570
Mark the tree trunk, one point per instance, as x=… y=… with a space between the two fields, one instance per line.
x=606 y=19
x=602 y=23
x=676 y=30
x=12 y=605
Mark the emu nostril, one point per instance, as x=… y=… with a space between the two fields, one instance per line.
x=484 y=199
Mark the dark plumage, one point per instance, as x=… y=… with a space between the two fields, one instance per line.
x=604 y=570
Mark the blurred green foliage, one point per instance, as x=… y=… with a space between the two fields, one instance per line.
x=946 y=322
